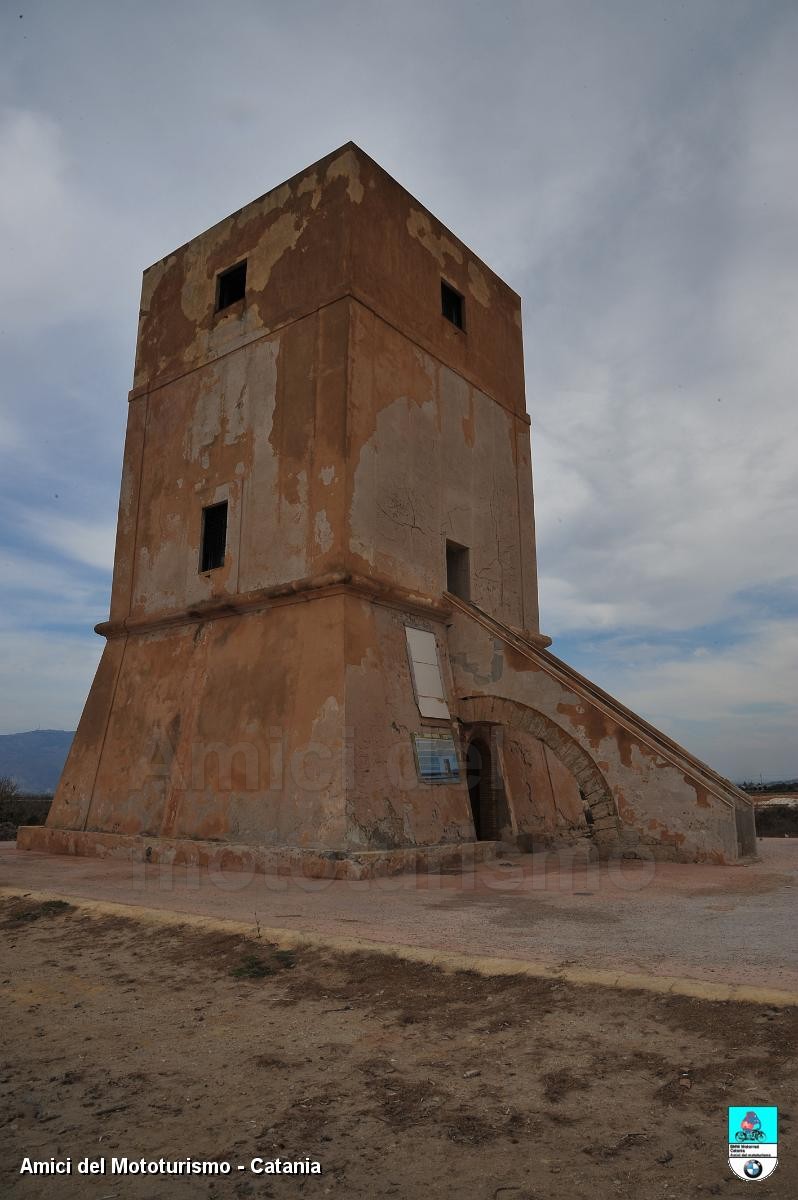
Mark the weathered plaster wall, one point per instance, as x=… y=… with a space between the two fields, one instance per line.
x=386 y=804
x=287 y=726
x=399 y=253
x=663 y=804
x=263 y=429
x=76 y=786
x=296 y=240
x=253 y=404
x=542 y=792
x=341 y=227
x=352 y=430
x=335 y=442
x=230 y=730
x=431 y=458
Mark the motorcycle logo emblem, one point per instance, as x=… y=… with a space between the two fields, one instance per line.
x=753 y=1141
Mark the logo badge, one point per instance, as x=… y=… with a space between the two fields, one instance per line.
x=753 y=1141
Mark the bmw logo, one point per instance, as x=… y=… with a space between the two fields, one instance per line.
x=753 y=1169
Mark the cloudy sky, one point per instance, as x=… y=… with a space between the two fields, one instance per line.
x=629 y=166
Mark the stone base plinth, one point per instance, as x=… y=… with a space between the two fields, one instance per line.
x=266 y=860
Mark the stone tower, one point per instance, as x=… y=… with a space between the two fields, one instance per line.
x=323 y=642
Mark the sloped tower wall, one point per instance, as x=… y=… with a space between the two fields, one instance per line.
x=360 y=411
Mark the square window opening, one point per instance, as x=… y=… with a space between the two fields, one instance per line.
x=452 y=305
x=231 y=285
x=458 y=570
x=214 y=536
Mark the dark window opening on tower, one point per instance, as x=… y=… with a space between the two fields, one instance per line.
x=452 y=305
x=214 y=536
x=231 y=285
x=458 y=571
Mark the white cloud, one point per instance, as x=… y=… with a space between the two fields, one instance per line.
x=44 y=679
x=10 y=434
x=87 y=542
x=735 y=706
x=62 y=245
x=664 y=410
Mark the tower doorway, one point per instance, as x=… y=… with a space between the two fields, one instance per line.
x=479 y=773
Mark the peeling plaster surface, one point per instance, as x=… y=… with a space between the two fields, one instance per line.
x=323 y=531
x=661 y=805
x=433 y=458
x=387 y=806
x=347 y=166
x=352 y=430
x=356 y=226
x=242 y=429
x=442 y=248
x=478 y=285
x=215 y=731
x=543 y=792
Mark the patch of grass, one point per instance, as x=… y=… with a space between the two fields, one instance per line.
x=559 y=1084
x=286 y=958
x=270 y=1062
x=253 y=967
x=33 y=910
x=48 y=907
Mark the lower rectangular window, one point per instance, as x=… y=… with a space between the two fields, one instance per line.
x=214 y=536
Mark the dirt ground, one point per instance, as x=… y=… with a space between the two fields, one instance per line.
x=125 y=1038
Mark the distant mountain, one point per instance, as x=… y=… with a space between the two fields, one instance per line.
x=36 y=759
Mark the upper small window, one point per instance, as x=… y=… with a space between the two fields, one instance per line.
x=231 y=285
x=458 y=571
x=452 y=305
x=214 y=536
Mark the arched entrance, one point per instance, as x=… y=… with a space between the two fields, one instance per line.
x=479 y=774
x=485 y=712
